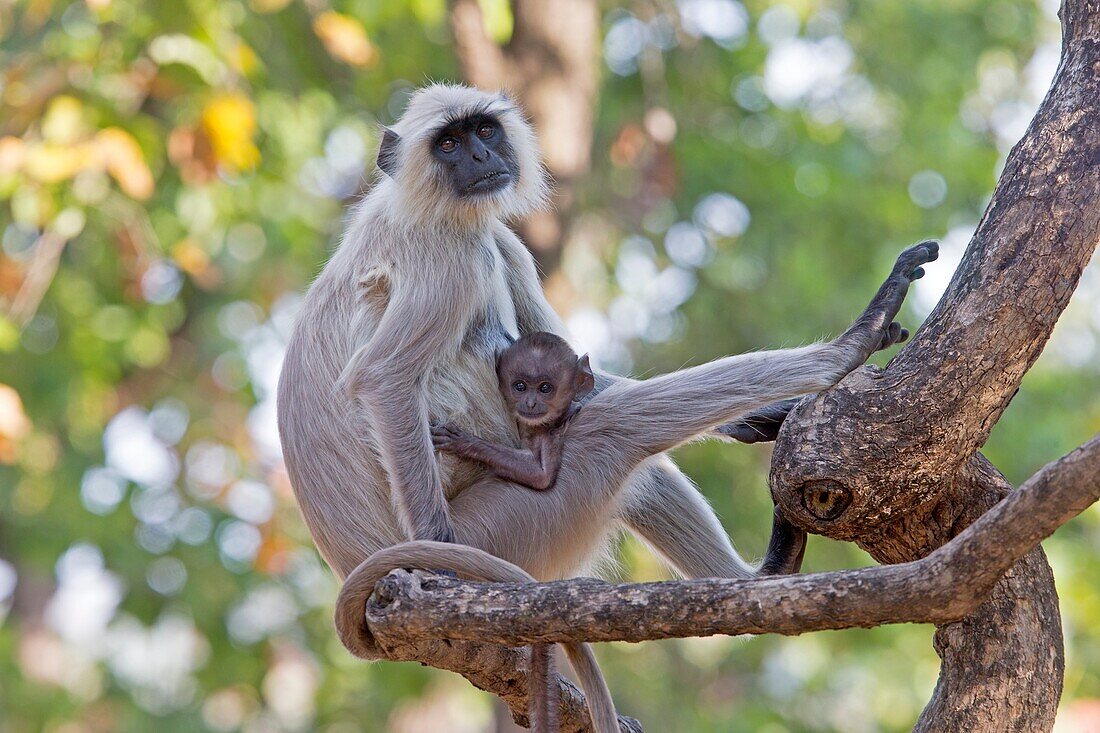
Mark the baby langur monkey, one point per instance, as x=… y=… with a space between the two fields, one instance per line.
x=541 y=379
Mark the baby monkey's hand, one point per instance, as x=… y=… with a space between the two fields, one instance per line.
x=448 y=439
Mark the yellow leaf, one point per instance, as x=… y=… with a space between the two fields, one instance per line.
x=48 y=163
x=229 y=121
x=244 y=59
x=190 y=257
x=344 y=38
x=12 y=154
x=63 y=122
x=121 y=155
x=14 y=423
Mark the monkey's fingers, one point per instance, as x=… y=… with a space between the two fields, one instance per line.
x=895 y=334
x=909 y=262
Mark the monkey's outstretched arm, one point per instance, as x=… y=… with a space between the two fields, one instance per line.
x=386 y=374
x=762 y=426
x=522 y=466
x=657 y=414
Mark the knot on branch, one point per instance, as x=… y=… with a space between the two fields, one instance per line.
x=825 y=499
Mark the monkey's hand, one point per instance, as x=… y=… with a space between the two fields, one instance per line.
x=875 y=328
x=450 y=440
x=895 y=334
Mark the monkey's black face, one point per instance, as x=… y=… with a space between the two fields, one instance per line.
x=476 y=156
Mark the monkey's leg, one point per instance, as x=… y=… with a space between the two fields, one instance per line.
x=663 y=507
x=762 y=426
x=759 y=426
x=786 y=548
x=652 y=416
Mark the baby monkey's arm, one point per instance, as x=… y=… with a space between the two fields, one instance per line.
x=536 y=469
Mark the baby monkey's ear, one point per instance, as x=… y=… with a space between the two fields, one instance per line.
x=584 y=382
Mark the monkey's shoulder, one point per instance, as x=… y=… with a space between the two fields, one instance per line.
x=375 y=282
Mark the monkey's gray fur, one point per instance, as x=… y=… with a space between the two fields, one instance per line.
x=401 y=330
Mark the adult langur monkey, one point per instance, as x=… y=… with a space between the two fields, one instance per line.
x=401 y=331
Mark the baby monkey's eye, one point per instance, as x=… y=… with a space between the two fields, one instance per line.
x=448 y=144
x=485 y=131
x=546 y=388
x=519 y=387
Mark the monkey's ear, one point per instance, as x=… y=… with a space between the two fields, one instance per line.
x=387 y=152
x=585 y=381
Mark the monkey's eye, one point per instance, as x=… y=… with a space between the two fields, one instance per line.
x=485 y=131
x=546 y=388
x=519 y=387
x=448 y=144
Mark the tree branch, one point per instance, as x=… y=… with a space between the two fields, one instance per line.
x=900 y=445
x=499 y=670
x=940 y=588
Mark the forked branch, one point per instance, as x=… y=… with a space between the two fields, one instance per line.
x=409 y=611
x=940 y=588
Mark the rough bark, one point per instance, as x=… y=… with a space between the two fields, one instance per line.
x=499 y=670
x=410 y=613
x=889 y=460
x=945 y=586
x=551 y=64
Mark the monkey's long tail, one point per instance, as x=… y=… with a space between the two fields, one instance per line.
x=472 y=564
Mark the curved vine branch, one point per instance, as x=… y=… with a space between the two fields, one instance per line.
x=942 y=587
x=457 y=625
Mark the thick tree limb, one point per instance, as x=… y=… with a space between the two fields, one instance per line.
x=897 y=447
x=499 y=670
x=410 y=613
x=918 y=421
x=482 y=60
x=941 y=588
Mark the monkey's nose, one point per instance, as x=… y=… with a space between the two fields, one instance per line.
x=479 y=152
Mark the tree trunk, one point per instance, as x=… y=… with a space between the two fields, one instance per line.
x=888 y=459
x=552 y=65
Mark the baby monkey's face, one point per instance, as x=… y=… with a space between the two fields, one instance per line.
x=539 y=386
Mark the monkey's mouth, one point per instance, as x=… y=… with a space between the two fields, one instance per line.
x=531 y=416
x=489 y=182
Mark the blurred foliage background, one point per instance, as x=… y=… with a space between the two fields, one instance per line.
x=172 y=174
